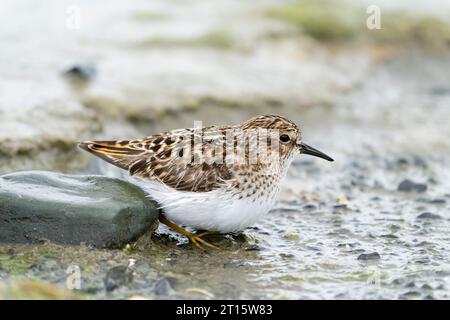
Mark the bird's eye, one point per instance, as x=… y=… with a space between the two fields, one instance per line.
x=284 y=138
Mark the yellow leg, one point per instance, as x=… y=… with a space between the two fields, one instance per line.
x=195 y=239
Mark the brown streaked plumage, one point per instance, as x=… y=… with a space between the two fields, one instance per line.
x=197 y=169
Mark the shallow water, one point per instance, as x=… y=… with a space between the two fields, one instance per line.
x=310 y=247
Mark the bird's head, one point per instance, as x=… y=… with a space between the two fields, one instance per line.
x=286 y=134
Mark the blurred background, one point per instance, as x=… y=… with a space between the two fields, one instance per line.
x=74 y=70
x=375 y=99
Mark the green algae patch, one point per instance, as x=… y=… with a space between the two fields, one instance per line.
x=322 y=20
x=35 y=290
x=15 y=266
x=427 y=31
x=148 y=16
x=220 y=39
x=330 y=21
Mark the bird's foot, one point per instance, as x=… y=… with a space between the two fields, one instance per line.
x=196 y=239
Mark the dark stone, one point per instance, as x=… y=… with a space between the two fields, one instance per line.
x=286 y=255
x=347 y=245
x=389 y=236
x=234 y=264
x=437 y=201
x=402 y=161
x=117 y=277
x=410 y=295
x=241 y=237
x=369 y=256
x=422 y=261
x=71 y=209
x=432 y=201
x=428 y=215
x=398 y=281
x=142 y=267
x=423 y=244
x=439 y=91
x=419 y=162
x=408 y=186
x=81 y=72
x=337 y=207
x=313 y=248
x=164 y=286
x=254 y=247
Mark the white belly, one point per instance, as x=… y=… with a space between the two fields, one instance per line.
x=213 y=211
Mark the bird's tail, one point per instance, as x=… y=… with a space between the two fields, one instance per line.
x=119 y=152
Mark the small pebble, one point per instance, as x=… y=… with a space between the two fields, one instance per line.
x=118 y=277
x=369 y=256
x=141 y=266
x=432 y=201
x=163 y=286
x=254 y=247
x=234 y=264
x=426 y=286
x=291 y=236
x=81 y=72
x=408 y=186
x=398 y=281
x=346 y=245
x=410 y=295
x=437 y=201
x=439 y=91
x=428 y=215
x=389 y=236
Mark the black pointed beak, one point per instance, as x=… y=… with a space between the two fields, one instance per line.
x=304 y=148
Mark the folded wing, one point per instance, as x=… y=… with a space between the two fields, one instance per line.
x=161 y=158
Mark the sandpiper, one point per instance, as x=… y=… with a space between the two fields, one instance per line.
x=220 y=179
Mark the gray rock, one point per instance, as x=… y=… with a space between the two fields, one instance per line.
x=389 y=236
x=117 y=277
x=81 y=72
x=428 y=215
x=437 y=201
x=408 y=186
x=141 y=267
x=432 y=201
x=234 y=264
x=164 y=286
x=440 y=91
x=369 y=256
x=71 y=209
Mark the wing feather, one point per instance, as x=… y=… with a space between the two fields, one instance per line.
x=160 y=158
